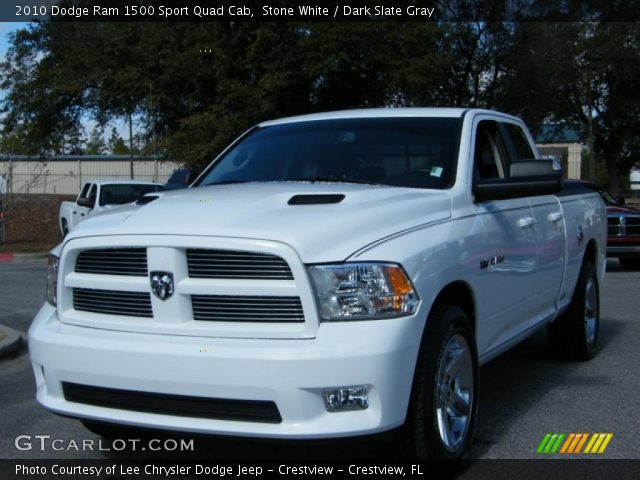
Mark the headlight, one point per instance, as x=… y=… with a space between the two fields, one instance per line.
x=357 y=291
x=52 y=280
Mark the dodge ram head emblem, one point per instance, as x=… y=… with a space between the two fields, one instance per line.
x=162 y=284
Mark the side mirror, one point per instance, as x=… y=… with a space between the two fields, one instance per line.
x=85 y=202
x=527 y=178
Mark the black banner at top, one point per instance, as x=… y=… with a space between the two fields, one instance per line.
x=341 y=10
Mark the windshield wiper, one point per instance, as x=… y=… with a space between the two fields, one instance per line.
x=335 y=179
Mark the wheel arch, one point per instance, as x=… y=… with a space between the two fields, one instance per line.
x=412 y=439
x=458 y=293
x=591 y=253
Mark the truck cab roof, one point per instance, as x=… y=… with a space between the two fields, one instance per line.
x=383 y=113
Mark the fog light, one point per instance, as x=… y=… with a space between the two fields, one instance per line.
x=345 y=399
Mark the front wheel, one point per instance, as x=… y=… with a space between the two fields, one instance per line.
x=443 y=403
x=575 y=334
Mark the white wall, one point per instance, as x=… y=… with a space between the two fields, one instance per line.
x=634 y=179
x=66 y=175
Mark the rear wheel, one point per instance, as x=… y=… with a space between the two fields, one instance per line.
x=443 y=403
x=630 y=263
x=575 y=334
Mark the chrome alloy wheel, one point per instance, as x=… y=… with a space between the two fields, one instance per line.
x=454 y=392
x=590 y=310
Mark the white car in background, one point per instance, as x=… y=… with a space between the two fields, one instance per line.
x=100 y=196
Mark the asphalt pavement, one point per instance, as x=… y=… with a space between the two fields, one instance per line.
x=523 y=394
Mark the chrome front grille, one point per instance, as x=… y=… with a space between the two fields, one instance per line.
x=222 y=287
x=112 y=302
x=236 y=264
x=113 y=261
x=222 y=308
x=622 y=226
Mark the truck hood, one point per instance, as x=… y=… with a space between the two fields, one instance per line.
x=318 y=232
x=622 y=210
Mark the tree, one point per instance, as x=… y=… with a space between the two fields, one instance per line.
x=584 y=74
x=116 y=144
x=95 y=144
x=203 y=84
x=44 y=113
x=195 y=87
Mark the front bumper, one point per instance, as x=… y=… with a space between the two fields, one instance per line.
x=292 y=373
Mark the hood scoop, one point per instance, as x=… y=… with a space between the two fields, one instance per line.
x=315 y=199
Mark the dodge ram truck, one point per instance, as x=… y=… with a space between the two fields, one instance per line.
x=328 y=275
x=99 y=196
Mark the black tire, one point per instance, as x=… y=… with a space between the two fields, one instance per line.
x=420 y=436
x=571 y=335
x=630 y=263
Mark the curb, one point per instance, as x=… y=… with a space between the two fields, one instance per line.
x=11 y=342
x=12 y=257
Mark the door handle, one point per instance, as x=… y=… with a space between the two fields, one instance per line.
x=526 y=222
x=555 y=216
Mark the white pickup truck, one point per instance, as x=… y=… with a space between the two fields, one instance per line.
x=100 y=196
x=328 y=275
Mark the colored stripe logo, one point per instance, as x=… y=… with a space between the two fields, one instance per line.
x=594 y=443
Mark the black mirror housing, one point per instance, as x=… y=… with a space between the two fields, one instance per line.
x=85 y=202
x=526 y=178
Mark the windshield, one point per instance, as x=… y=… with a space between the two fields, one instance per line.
x=121 y=193
x=406 y=152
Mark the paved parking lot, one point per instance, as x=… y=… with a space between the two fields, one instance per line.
x=524 y=393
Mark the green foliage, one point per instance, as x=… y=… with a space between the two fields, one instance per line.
x=587 y=75
x=116 y=144
x=95 y=144
x=197 y=86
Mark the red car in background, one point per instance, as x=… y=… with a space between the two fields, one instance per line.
x=623 y=239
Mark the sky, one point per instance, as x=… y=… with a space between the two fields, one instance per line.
x=5 y=28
